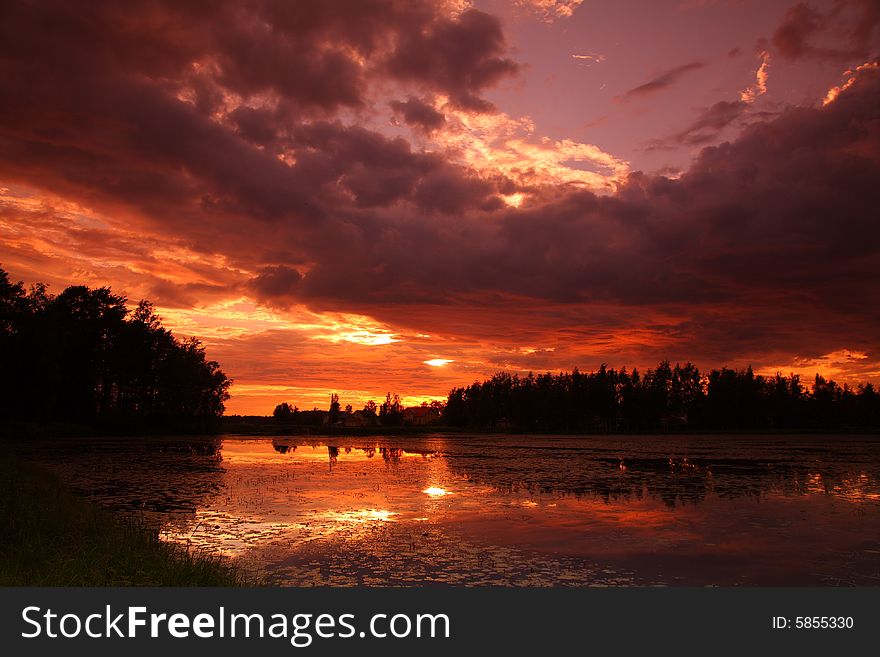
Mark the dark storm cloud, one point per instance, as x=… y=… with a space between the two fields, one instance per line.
x=95 y=102
x=706 y=127
x=317 y=55
x=662 y=81
x=461 y=56
x=777 y=227
x=846 y=30
x=151 y=114
x=710 y=124
x=418 y=113
x=799 y=24
x=277 y=281
x=255 y=125
x=711 y=121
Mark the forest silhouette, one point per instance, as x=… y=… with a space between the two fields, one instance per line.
x=84 y=357
x=667 y=398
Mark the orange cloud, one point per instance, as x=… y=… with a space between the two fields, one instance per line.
x=762 y=75
x=551 y=10
x=498 y=144
x=834 y=92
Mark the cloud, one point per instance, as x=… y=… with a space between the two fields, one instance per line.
x=265 y=211
x=847 y=30
x=589 y=58
x=265 y=51
x=711 y=121
x=461 y=56
x=852 y=78
x=419 y=114
x=727 y=244
x=799 y=23
x=709 y=125
x=508 y=150
x=551 y=10
x=277 y=280
x=751 y=93
x=662 y=81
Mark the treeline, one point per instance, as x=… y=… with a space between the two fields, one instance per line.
x=83 y=357
x=663 y=399
x=387 y=414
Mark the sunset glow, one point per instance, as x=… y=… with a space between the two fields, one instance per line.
x=455 y=188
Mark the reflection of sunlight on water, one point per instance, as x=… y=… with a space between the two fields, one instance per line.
x=235 y=535
x=282 y=500
x=814 y=483
x=512 y=511
x=856 y=489
x=227 y=534
x=363 y=515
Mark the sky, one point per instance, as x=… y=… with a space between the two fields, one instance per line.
x=382 y=196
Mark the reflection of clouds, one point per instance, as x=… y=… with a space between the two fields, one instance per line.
x=280 y=493
x=546 y=492
x=511 y=510
x=677 y=472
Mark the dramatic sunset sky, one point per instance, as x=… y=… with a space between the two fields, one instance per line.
x=380 y=196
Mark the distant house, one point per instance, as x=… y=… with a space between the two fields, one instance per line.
x=421 y=415
x=355 y=419
x=358 y=419
x=311 y=418
x=501 y=424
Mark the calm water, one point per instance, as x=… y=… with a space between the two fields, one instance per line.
x=504 y=510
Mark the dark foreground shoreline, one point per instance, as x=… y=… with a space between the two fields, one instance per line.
x=53 y=537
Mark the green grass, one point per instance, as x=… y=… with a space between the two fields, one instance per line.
x=51 y=537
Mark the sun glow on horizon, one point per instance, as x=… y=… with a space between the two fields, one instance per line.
x=438 y=362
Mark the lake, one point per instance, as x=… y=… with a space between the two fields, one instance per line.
x=507 y=510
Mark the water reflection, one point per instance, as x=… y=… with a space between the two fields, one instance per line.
x=509 y=510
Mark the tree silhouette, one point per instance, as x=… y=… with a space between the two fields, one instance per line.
x=663 y=399
x=391 y=411
x=334 y=408
x=284 y=412
x=84 y=356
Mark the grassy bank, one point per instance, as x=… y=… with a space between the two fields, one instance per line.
x=52 y=537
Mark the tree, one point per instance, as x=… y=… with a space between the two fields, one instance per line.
x=665 y=398
x=391 y=411
x=370 y=409
x=334 y=408
x=284 y=412
x=83 y=356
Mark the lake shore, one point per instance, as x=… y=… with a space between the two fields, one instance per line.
x=463 y=509
x=14 y=431
x=53 y=537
